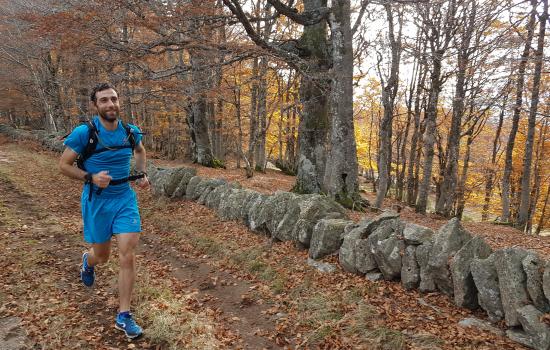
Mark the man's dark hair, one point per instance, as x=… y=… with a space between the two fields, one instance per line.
x=100 y=87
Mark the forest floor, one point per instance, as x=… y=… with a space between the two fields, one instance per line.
x=202 y=283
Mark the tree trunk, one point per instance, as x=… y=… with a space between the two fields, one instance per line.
x=505 y=217
x=314 y=120
x=388 y=99
x=461 y=199
x=412 y=183
x=491 y=171
x=446 y=199
x=543 y=217
x=340 y=178
x=429 y=134
x=259 y=141
x=197 y=116
x=528 y=154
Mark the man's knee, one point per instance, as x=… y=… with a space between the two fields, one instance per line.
x=127 y=258
x=101 y=253
x=102 y=257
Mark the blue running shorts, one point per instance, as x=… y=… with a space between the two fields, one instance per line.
x=104 y=216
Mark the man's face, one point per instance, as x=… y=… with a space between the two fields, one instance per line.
x=107 y=104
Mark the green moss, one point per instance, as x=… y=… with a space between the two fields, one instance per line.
x=218 y=163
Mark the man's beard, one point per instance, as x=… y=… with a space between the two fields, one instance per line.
x=109 y=118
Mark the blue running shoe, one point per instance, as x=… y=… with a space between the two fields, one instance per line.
x=125 y=322
x=87 y=274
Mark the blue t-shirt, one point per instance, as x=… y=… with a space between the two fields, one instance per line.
x=116 y=162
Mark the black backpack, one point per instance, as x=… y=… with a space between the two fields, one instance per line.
x=93 y=140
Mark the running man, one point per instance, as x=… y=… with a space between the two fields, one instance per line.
x=109 y=207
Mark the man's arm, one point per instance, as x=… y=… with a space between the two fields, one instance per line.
x=141 y=164
x=66 y=167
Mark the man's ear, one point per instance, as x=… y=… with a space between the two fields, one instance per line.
x=93 y=106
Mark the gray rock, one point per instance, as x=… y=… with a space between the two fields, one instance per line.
x=276 y=210
x=255 y=221
x=253 y=206
x=173 y=179
x=546 y=280
x=520 y=336
x=427 y=283
x=271 y=212
x=355 y=255
x=286 y=228
x=347 y=255
x=533 y=266
x=203 y=188
x=512 y=282
x=416 y=234
x=215 y=196
x=327 y=237
x=450 y=238
x=191 y=188
x=158 y=179
x=321 y=266
x=179 y=192
x=480 y=324
x=539 y=332
x=485 y=278
x=313 y=209
x=387 y=250
x=465 y=291
x=410 y=271
x=374 y=276
x=385 y=222
x=231 y=205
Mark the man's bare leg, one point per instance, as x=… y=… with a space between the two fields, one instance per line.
x=99 y=253
x=127 y=243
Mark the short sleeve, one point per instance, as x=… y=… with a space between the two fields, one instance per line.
x=137 y=133
x=77 y=139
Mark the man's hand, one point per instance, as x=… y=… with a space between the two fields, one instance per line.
x=143 y=182
x=102 y=179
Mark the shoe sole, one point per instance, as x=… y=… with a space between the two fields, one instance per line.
x=128 y=336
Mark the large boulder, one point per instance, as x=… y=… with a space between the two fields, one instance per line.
x=190 y=192
x=355 y=255
x=230 y=205
x=327 y=237
x=215 y=197
x=286 y=228
x=313 y=209
x=465 y=291
x=179 y=192
x=450 y=238
x=422 y=252
x=275 y=210
x=485 y=278
x=173 y=179
x=512 y=282
x=380 y=220
x=410 y=271
x=271 y=212
x=387 y=246
x=538 y=331
x=252 y=208
x=533 y=266
x=256 y=222
x=206 y=186
x=416 y=234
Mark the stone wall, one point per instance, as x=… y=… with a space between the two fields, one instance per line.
x=509 y=284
